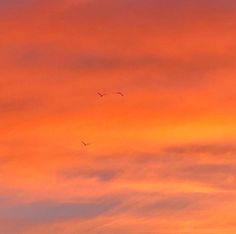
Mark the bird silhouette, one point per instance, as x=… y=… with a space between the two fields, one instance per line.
x=121 y=94
x=85 y=144
x=101 y=94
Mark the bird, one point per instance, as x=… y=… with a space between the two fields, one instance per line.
x=85 y=144
x=121 y=94
x=101 y=94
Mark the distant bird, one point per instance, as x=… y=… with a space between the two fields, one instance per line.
x=85 y=144
x=101 y=94
x=121 y=94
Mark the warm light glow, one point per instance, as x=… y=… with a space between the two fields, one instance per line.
x=159 y=149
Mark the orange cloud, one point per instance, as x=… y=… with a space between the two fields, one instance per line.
x=161 y=158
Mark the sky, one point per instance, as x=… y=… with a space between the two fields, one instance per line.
x=161 y=159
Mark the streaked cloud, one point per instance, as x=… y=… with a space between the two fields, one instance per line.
x=49 y=211
x=162 y=157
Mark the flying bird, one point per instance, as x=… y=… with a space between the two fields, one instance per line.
x=121 y=94
x=101 y=94
x=85 y=144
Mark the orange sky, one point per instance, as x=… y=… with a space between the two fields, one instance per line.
x=162 y=157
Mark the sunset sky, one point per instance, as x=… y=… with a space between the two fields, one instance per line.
x=162 y=159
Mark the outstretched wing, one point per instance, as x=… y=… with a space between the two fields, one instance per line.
x=119 y=93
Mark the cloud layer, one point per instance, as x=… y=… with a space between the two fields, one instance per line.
x=162 y=158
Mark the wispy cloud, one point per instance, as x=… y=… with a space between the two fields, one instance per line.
x=162 y=157
x=50 y=211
